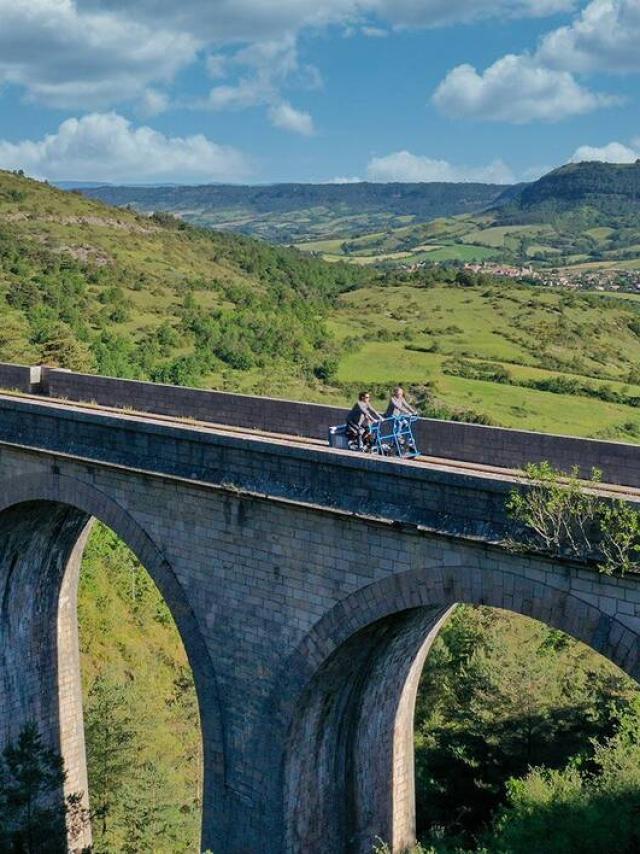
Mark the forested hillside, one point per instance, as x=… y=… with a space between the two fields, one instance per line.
x=610 y=190
x=93 y=288
x=581 y=216
x=290 y=213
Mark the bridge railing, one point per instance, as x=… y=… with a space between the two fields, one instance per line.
x=471 y=443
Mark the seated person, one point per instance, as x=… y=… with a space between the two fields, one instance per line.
x=399 y=405
x=360 y=419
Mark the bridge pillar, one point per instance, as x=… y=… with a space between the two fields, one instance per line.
x=349 y=776
x=41 y=547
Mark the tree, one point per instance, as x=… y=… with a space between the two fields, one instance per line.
x=500 y=694
x=110 y=738
x=14 y=340
x=586 y=809
x=34 y=817
x=61 y=348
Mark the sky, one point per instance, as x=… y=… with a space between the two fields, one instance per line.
x=264 y=91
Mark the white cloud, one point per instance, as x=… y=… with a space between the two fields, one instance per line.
x=95 y=53
x=436 y=13
x=227 y=21
x=542 y=85
x=515 y=89
x=614 y=152
x=604 y=37
x=284 y=116
x=106 y=147
x=267 y=68
x=403 y=166
x=63 y=57
x=345 y=179
x=152 y=103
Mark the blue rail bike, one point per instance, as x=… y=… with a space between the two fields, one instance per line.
x=389 y=437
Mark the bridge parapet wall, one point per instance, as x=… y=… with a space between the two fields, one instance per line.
x=20 y=377
x=471 y=443
x=288 y=417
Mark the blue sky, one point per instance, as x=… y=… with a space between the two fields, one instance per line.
x=300 y=90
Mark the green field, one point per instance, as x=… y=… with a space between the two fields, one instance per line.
x=414 y=336
x=566 y=242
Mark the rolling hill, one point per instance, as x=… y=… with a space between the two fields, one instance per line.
x=98 y=288
x=291 y=213
x=581 y=216
x=610 y=191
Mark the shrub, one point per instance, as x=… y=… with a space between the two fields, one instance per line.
x=564 y=516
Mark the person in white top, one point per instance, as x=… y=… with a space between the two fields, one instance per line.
x=398 y=404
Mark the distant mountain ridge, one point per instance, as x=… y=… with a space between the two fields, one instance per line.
x=608 y=189
x=580 y=214
x=286 y=213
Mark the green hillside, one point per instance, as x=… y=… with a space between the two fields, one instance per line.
x=291 y=213
x=503 y=354
x=581 y=216
x=94 y=288
x=610 y=190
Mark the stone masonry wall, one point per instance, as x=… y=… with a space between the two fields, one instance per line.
x=493 y=446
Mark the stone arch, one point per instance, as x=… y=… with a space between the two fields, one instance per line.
x=44 y=524
x=347 y=693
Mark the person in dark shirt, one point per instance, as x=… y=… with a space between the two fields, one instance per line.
x=399 y=405
x=360 y=419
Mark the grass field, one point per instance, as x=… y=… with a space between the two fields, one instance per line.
x=410 y=335
x=480 y=237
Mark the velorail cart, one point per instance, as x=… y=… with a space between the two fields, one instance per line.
x=390 y=437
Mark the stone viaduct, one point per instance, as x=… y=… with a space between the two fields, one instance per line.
x=307 y=585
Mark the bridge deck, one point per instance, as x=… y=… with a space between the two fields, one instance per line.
x=453 y=466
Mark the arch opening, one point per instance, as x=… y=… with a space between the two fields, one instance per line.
x=349 y=755
x=42 y=546
x=351 y=743
x=142 y=728
x=501 y=694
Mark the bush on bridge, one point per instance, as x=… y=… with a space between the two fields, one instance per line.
x=565 y=516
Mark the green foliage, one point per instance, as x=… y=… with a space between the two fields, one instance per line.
x=430 y=406
x=31 y=785
x=111 y=746
x=488 y=371
x=500 y=694
x=577 y=809
x=142 y=722
x=564 y=516
x=89 y=299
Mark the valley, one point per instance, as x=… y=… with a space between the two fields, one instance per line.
x=559 y=233
x=112 y=291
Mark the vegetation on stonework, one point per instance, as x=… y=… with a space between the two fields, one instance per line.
x=564 y=516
